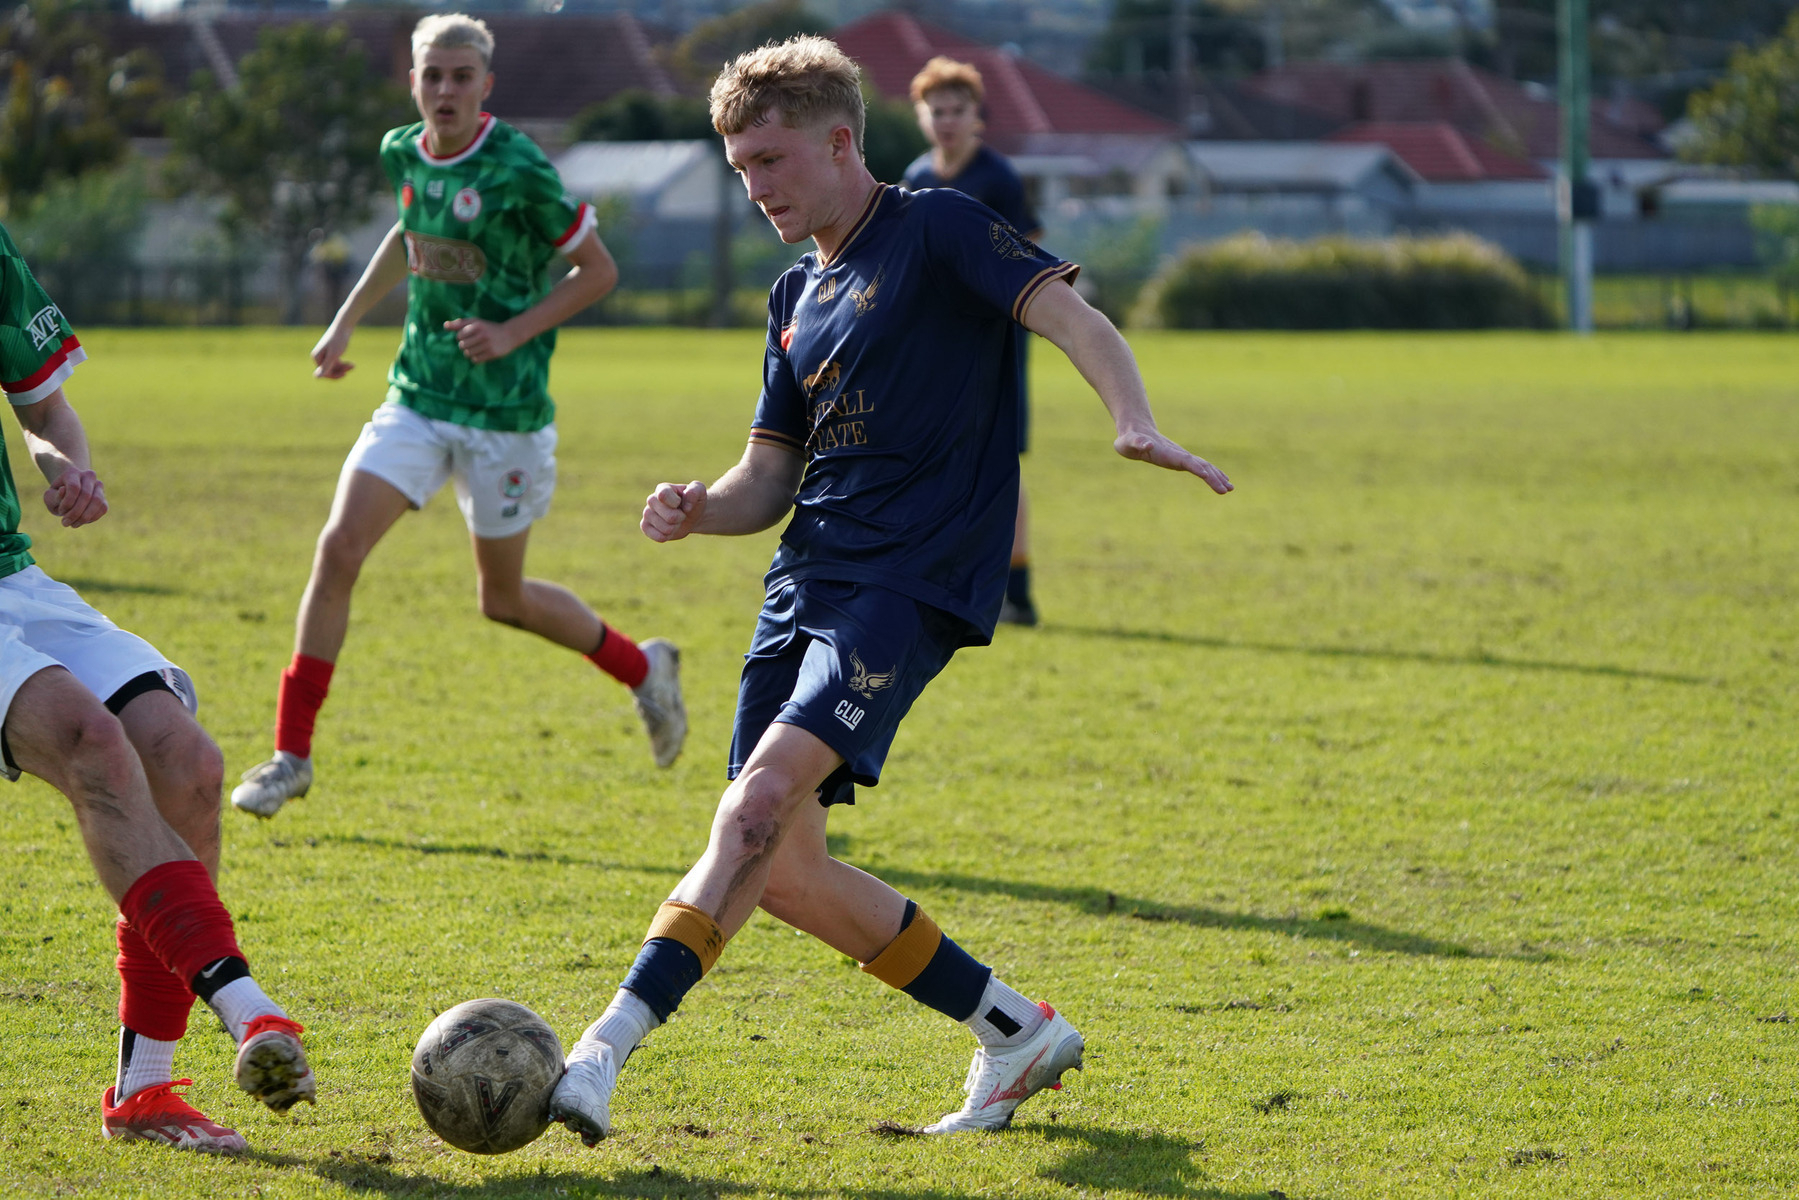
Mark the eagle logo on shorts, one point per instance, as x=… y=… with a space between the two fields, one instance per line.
x=865 y=683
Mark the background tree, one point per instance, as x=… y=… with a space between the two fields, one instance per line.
x=1750 y=118
x=642 y=116
x=711 y=44
x=292 y=148
x=70 y=103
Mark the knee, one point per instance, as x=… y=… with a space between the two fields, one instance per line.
x=340 y=555
x=784 y=895
x=98 y=758
x=196 y=763
x=758 y=809
x=507 y=608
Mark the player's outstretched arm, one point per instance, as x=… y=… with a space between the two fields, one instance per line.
x=58 y=444
x=1100 y=353
x=748 y=498
x=384 y=272
x=593 y=275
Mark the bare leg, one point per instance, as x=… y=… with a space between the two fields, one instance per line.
x=535 y=605
x=59 y=732
x=364 y=509
x=1021 y=532
x=184 y=769
x=755 y=814
x=848 y=910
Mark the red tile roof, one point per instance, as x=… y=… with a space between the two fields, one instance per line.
x=1440 y=152
x=1486 y=107
x=545 y=67
x=1022 y=97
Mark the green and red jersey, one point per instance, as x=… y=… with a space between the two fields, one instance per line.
x=38 y=351
x=481 y=226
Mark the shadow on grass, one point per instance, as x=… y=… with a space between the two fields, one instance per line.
x=107 y=587
x=1144 y=1164
x=1098 y=902
x=479 y=850
x=1416 y=656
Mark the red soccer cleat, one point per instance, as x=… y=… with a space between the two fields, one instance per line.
x=158 y=1114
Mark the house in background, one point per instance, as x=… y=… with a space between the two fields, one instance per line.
x=547 y=68
x=660 y=202
x=1314 y=186
x=1495 y=116
x=1457 y=173
x=1078 y=149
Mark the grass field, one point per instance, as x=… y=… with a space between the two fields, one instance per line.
x=1417 y=821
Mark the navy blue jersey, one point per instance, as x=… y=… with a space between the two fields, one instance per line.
x=893 y=369
x=989 y=178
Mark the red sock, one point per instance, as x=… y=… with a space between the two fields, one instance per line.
x=620 y=658
x=175 y=909
x=303 y=688
x=153 y=1002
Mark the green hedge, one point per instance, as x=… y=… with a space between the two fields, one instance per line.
x=1251 y=282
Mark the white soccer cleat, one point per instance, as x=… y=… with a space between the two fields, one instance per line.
x=998 y=1082
x=267 y=786
x=658 y=700
x=583 y=1098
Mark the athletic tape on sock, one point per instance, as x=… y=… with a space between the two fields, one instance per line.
x=692 y=928
x=907 y=955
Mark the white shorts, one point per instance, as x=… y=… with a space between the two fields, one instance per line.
x=503 y=480
x=44 y=623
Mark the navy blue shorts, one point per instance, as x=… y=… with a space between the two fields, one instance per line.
x=844 y=662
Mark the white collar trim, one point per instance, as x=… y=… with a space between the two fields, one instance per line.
x=468 y=151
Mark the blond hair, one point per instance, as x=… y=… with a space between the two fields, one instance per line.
x=448 y=31
x=807 y=78
x=945 y=72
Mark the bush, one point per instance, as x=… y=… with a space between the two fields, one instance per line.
x=1251 y=282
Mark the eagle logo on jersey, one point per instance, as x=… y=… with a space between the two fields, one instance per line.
x=865 y=297
x=826 y=376
x=1007 y=242
x=827 y=291
x=466 y=204
x=864 y=682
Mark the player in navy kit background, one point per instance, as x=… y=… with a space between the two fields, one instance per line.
x=887 y=427
x=947 y=97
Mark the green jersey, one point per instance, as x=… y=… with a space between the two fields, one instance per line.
x=38 y=351
x=481 y=226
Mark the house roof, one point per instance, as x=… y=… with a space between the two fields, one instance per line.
x=1243 y=166
x=635 y=168
x=1441 y=153
x=545 y=67
x=1022 y=97
x=1484 y=106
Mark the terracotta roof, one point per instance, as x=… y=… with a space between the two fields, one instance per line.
x=1022 y=97
x=1440 y=152
x=1484 y=106
x=545 y=67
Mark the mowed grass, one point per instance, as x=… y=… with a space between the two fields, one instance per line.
x=1417 y=821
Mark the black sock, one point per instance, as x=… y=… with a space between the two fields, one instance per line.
x=1018 y=586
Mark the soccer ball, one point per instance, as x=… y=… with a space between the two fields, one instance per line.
x=483 y=1073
